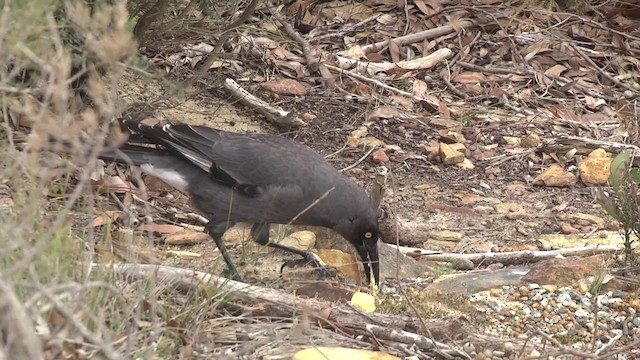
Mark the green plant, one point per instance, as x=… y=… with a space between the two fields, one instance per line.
x=623 y=202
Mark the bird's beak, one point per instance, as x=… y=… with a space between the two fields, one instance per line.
x=369 y=255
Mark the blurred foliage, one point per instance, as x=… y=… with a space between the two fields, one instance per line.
x=623 y=202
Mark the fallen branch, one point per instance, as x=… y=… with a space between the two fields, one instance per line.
x=432 y=102
x=275 y=115
x=372 y=68
x=585 y=145
x=508 y=258
x=277 y=303
x=421 y=342
x=461 y=25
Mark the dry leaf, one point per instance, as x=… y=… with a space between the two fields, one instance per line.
x=394 y=50
x=183 y=253
x=420 y=88
x=340 y=353
x=384 y=112
x=354 y=52
x=161 y=228
x=107 y=217
x=443 y=110
x=555 y=70
x=114 y=184
x=186 y=237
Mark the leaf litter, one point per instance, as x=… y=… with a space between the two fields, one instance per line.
x=518 y=91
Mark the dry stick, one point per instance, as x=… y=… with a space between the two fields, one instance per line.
x=401 y=285
x=344 y=30
x=312 y=205
x=422 y=35
x=580 y=354
x=379 y=186
x=511 y=257
x=359 y=160
x=574 y=141
x=602 y=72
x=422 y=342
x=276 y=115
x=276 y=301
x=20 y=341
x=499 y=70
x=633 y=346
x=213 y=54
x=453 y=89
x=309 y=55
x=611 y=341
x=382 y=85
x=494 y=69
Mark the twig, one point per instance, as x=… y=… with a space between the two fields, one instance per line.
x=275 y=115
x=344 y=30
x=19 y=341
x=611 y=341
x=309 y=56
x=213 y=54
x=580 y=354
x=454 y=89
x=383 y=85
x=602 y=72
x=511 y=257
x=422 y=35
x=277 y=302
x=314 y=203
x=359 y=160
x=494 y=69
x=422 y=342
x=379 y=186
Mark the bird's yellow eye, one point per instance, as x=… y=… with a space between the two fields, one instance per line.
x=368 y=235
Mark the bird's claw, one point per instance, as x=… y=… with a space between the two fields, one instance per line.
x=325 y=271
x=232 y=274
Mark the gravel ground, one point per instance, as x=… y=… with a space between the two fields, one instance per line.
x=573 y=316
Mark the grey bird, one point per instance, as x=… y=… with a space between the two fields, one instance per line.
x=260 y=179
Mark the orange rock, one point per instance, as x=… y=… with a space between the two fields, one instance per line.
x=556 y=176
x=449 y=155
x=595 y=169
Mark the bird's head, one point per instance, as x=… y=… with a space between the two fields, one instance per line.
x=361 y=230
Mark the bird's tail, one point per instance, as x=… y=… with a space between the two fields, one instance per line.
x=135 y=155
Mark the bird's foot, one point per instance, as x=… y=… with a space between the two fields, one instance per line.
x=232 y=274
x=310 y=259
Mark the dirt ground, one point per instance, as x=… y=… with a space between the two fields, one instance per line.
x=427 y=197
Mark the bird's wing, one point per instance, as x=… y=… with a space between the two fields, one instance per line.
x=249 y=163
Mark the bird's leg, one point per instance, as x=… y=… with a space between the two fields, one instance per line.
x=216 y=230
x=260 y=234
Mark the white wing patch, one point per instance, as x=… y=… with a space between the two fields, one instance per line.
x=169 y=176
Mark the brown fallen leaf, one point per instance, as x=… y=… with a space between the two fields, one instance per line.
x=186 y=237
x=384 y=112
x=183 y=253
x=161 y=228
x=285 y=87
x=105 y=218
x=114 y=184
x=339 y=353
